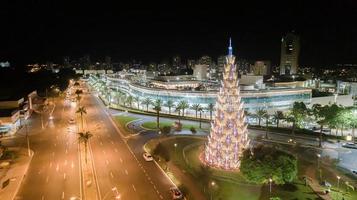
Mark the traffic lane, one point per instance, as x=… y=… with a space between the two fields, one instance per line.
x=122 y=163
x=46 y=169
x=136 y=145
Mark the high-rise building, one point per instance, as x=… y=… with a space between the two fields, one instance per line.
x=205 y=60
x=228 y=137
x=261 y=68
x=289 y=59
x=200 y=72
x=108 y=62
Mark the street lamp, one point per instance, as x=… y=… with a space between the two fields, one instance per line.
x=212 y=187
x=270 y=181
x=175 y=145
x=318 y=165
x=338 y=182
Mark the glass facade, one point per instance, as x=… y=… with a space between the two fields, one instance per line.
x=282 y=98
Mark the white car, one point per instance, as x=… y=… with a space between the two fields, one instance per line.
x=147 y=157
x=176 y=193
x=71 y=121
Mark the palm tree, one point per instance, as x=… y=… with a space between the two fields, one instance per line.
x=169 y=104
x=157 y=107
x=118 y=97
x=266 y=116
x=278 y=115
x=178 y=109
x=123 y=99
x=210 y=108
x=260 y=114
x=196 y=107
x=147 y=101
x=130 y=100
x=200 y=109
x=137 y=100
x=84 y=138
x=81 y=110
x=183 y=105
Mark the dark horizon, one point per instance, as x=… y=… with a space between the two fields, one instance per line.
x=40 y=31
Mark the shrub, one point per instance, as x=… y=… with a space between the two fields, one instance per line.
x=165 y=130
x=267 y=162
x=193 y=130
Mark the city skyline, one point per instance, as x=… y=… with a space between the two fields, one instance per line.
x=158 y=32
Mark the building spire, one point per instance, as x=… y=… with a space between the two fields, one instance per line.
x=230 y=49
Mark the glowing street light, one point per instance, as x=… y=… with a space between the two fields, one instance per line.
x=270 y=181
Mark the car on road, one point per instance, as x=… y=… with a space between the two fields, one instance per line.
x=176 y=193
x=147 y=157
x=354 y=172
x=71 y=121
x=349 y=145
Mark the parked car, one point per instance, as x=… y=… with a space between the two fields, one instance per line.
x=349 y=145
x=147 y=157
x=176 y=193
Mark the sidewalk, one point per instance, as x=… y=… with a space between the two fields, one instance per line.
x=14 y=174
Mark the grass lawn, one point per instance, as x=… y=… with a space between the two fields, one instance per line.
x=230 y=185
x=152 y=125
x=122 y=120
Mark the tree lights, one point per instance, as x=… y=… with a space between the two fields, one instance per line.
x=229 y=136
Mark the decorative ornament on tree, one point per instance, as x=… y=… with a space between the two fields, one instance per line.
x=229 y=135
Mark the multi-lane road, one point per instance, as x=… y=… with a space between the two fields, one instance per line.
x=54 y=172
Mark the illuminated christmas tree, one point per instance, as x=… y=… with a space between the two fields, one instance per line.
x=229 y=135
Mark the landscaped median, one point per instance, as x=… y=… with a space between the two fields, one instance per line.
x=122 y=121
x=179 y=157
x=185 y=126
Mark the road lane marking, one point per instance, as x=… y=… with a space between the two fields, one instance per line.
x=53 y=154
x=133 y=187
x=111 y=174
x=62 y=195
x=72 y=165
x=65 y=163
x=101 y=143
x=126 y=172
x=47 y=178
x=121 y=160
x=107 y=162
x=116 y=150
x=66 y=151
x=103 y=152
x=43 y=197
x=112 y=142
x=57 y=167
x=161 y=197
x=64 y=176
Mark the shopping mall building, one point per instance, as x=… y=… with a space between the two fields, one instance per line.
x=269 y=98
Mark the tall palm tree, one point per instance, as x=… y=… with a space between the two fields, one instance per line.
x=84 y=138
x=82 y=110
x=196 y=107
x=147 y=101
x=137 y=100
x=200 y=109
x=210 y=109
x=130 y=100
x=118 y=97
x=260 y=114
x=169 y=104
x=278 y=115
x=178 y=110
x=183 y=105
x=157 y=104
x=123 y=99
x=266 y=117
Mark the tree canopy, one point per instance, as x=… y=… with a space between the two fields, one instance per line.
x=262 y=163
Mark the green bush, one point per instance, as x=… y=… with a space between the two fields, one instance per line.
x=193 y=130
x=262 y=163
x=162 y=152
x=165 y=130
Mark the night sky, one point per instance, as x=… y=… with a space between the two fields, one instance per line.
x=38 y=31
